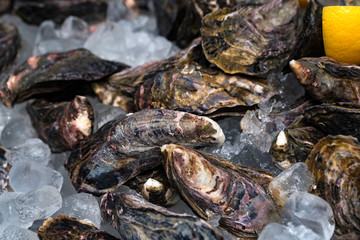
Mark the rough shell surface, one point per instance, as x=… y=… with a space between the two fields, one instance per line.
x=213 y=186
x=123 y=148
x=4 y=171
x=251 y=38
x=335 y=163
x=65 y=227
x=62 y=125
x=9 y=45
x=136 y=218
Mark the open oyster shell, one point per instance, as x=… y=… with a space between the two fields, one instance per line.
x=62 y=125
x=335 y=163
x=251 y=38
x=123 y=148
x=213 y=186
x=136 y=218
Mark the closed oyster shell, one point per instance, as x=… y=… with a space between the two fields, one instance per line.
x=9 y=45
x=123 y=148
x=136 y=218
x=213 y=186
x=65 y=227
x=53 y=72
x=251 y=38
x=62 y=125
x=335 y=163
x=328 y=81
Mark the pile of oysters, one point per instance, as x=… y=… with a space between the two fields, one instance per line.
x=229 y=50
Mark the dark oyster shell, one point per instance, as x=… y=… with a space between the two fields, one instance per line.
x=65 y=227
x=215 y=186
x=35 y=12
x=295 y=143
x=9 y=44
x=52 y=72
x=4 y=171
x=135 y=218
x=5 y=6
x=310 y=41
x=335 y=163
x=334 y=119
x=125 y=147
x=154 y=186
x=251 y=38
x=327 y=80
x=62 y=125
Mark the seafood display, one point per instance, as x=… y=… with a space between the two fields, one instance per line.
x=9 y=44
x=335 y=163
x=243 y=40
x=328 y=81
x=213 y=186
x=135 y=218
x=65 y=227
x=4 y=171
x=55 y=72
x=62 y=125
x=122 y=148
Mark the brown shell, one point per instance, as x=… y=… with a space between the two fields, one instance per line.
x=213 y=186
x=67 y=228
x=328 y=81
x=4 y=171
x=53 y=72
x=9 y=44
x=136 y=218
x=251 y=38
x=335 y=163
x=123 y=148
x=62 y=125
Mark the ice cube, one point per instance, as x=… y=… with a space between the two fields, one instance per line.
x=296 y=178
x=17 y=233
x=16 y=132
x=75 y=28
x=28 y=176
x=276 y=231
x=308 y=216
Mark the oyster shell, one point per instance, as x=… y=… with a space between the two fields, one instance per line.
x=328 y=81
x=4 y=171
x=335 y=163
x=251 y=38
x=135 y=218
x=123 y=148
x=35 y=12
x=9 y=44
x=62 y=125
x=215 y=186
x=295 y=143
x=154 y=186
x=65 y=227
x=53 y=72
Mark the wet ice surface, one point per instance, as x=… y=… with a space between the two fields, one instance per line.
x=16 y=233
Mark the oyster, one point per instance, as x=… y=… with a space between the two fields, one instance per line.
x=35 y=12
x=123 y=148
x=215 y=186
x=251 y=38
x=4 y=171
x=335 y=163
x=328 y=81
x=53 y=72
x=9 y=44
x=62 y=125
x=135 y=218
x=295 y=143
x=65 y=227
x=154 y=186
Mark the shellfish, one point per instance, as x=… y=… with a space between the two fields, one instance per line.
x=62 y=125
x=135 y=218
x=122 y=148
x=251 y=38
x=214 y=186
x=65 y=227
x=4 y=171
x=53 y=72
x=9 y=44
x=335 y=163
